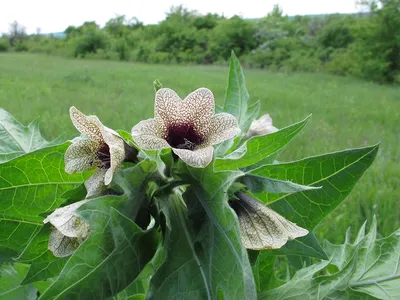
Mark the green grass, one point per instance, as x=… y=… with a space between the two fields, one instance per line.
x=346 y=113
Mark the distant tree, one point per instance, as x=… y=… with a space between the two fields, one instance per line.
x=17 y=33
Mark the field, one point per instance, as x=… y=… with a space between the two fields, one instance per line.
x=346 y=113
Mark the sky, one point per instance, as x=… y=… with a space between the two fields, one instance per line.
x=56 y=16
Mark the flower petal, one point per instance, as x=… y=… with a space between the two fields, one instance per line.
x=261 y=227
x=88 y=125
x=262 y=126
x=198 y=108
x=145 y=136
x=66 y=222
x=165 y=109
x=199 y=158
x=94 y=185
x=223 y=127
x=81 y=156
x=61 y=245
x=117 y=152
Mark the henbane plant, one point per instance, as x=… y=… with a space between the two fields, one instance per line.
x=190 y=204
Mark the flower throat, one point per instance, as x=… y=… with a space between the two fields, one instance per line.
x=183 y=136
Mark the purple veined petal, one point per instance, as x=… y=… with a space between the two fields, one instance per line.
x=117 y=152
x=145 y=135
x=199 y=158
x=223 y=127
x=81 y=156
x=198 y=108
x=95 y=184
x=68 y=230
x=165 y=109
x=262 y=228
x=61 y=245
x=87 y=125
x=65 y=220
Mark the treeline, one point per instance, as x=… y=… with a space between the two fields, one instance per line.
x=364 y=45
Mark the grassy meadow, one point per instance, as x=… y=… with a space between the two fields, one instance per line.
x=346 y=113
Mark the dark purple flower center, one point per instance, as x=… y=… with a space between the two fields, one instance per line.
x=183 y=136
x=104 y=155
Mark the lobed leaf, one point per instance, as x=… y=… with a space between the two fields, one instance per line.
x=17 y=139
x=366 y=269
x=117 y=249
x=336 y=173
x=109 y=260
x=30 y=185
x=11 y=276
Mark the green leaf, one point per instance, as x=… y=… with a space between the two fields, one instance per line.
x=260 y=184
x=126 y=136
x=336 y=173
x=44 y=264
x=17 y=140
x=205 y=258
x=260 y=149
x=157 y=85
x=7 y=255
x=237 y=96
x=11 y=276
x=30 y=185
x=139 y=287
x=263 y=270
x=107 y=262
x=44 y=270
x=43 y=285
x=306 y=246
x=252 y=113
x=366 y=269
x=117 y=249
x=237 y=102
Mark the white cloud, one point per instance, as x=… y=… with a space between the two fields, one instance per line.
x=55 y=16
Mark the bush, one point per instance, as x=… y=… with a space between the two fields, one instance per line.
x=4 y=45
x=20 y=46
x=366 y=45
x=121 y=48
x=335 y=35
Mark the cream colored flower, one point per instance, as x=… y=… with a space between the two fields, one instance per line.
x=262 y=126
x=68 y=230
x=261 y=227
x=99 y=148
x=190 y=126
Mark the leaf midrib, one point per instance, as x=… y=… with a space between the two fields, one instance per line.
x=371 y=282
x=258 y=151
x=39 y=184
x=21 y=221
x=331 y=175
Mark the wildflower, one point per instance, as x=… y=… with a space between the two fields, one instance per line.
x=262 y=126
x=190 y=127
x=99 y=148
x=68 y=230
x=261 y=227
